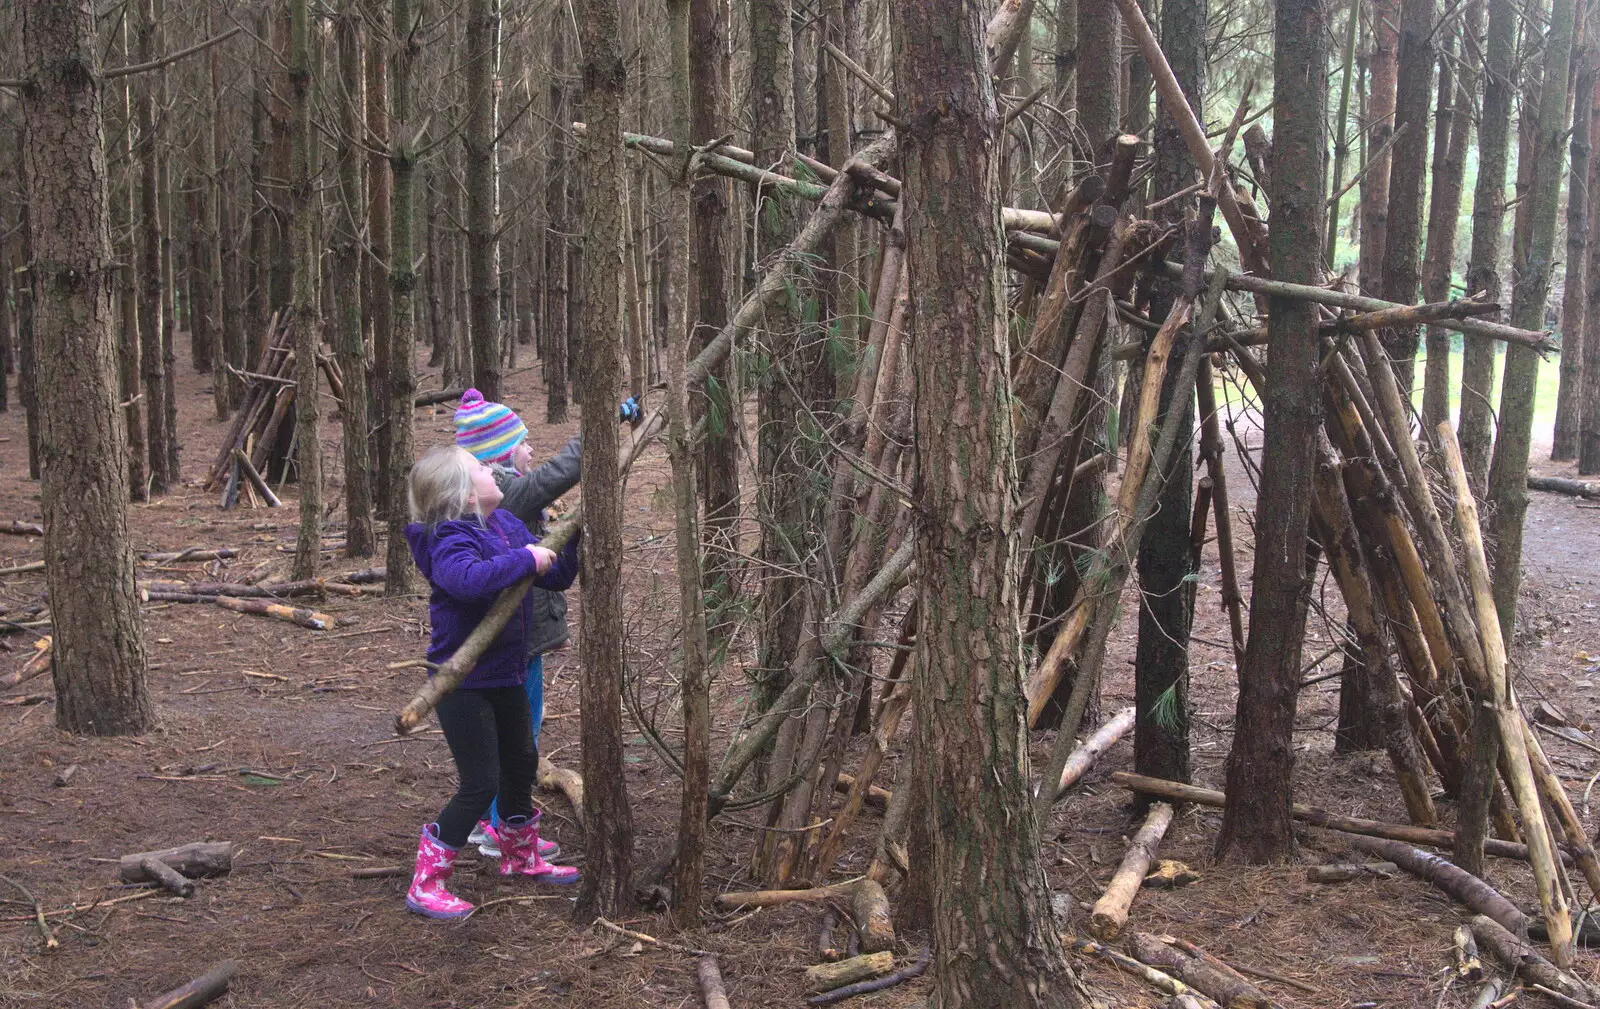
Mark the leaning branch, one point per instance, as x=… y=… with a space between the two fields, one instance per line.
x=139 y=68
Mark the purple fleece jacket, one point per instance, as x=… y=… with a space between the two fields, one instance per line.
x=468 y=563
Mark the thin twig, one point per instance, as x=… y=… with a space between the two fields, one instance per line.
x=652 y=940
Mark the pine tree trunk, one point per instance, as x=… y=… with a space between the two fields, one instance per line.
x=607 y=886
x=259 y=210
x=1452 y=130
x=169 y=289
x=307 y=310
x=124 y=213
x=350 y=348
x=483 y=245
x=691 y=609
x=1402 y=250
x=1161 y=663
x=1575 y=288
x=1589 y=410
x=1488 y=225
x=150 y=295
x=1508 y=472
x=402 y=281
x=1099 y=71
x=230 y=353
x=98 y=660
x=1256 y=823
x=1383 y=76
x=557 y=168
x=203 y=269
x=782 y=497
x=1066 y=58
x=278 y=156
x=718 y=468
x=375 y=288
x=995 y=939
x=22 y=271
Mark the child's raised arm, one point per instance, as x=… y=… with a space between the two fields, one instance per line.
x=461 y=570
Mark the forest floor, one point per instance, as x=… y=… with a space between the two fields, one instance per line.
x=279 y=739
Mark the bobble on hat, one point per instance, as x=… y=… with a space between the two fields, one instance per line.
x=490 y=431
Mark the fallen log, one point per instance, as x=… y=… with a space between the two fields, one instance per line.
x=1557 y=485
x=913 y=970
x=1522 y=959
x=292 y=614
x=196 y=860
x=1460 y=884
x=1111 y=910
x=825 y=945
x=17 y=527
x=1095 y=747
x=711 y=987
x=1316 y=816
x=22 y=569
x=1344 y=873
x=869 y=906
x=740 y=899
x=1159 y=980
x=564 y=780
x=828 y=976
x=364 y=576
x=1197 y=971
x=166 y=875
x=208 y=986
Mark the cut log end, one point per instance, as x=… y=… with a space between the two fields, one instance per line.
x=869 y=906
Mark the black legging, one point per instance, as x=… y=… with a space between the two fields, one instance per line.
x=490 y=733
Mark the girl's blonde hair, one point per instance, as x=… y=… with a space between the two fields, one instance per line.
x=439 y=486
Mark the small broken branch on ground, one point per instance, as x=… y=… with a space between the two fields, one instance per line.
x=828 y=976
x=913 y=970
x=1111 y=910
x=203 y=989
x=196 y=860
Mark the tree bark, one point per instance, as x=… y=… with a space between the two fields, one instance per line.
x=1575 y=288
x=230 y=351
x=1488 y=224
x=1508 y=470
x=1589 y=411
x=124 y=213
x=718 y=469
x=557 y=168
x=402 y=384
x=482 y=242
x=1402 y=248
x=691 y=606
x=26 y=336
x=375 y=290
x=1452 y=130
x=1256 y=822
x=1161 y=662
x=1100 y=76
x=307 y=309
x=150 y=295
x=350 y=348
x=98 y=660
x=607 y=887
x=967 y=688
x=1383 y=71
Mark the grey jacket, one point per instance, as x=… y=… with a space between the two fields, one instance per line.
x=527 y=495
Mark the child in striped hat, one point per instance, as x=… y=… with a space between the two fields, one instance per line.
x=490 y=431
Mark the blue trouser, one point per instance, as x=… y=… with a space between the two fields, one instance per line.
x=533 y=685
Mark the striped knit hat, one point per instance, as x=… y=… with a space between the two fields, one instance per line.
x=490 y=431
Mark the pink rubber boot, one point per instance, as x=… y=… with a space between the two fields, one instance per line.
x=519 y=853
x=435 y=862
